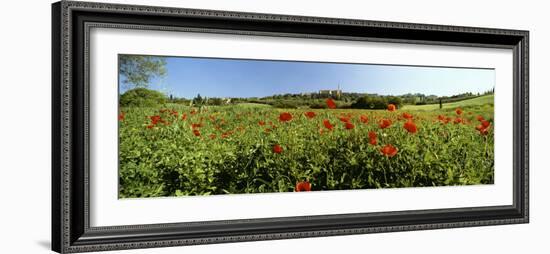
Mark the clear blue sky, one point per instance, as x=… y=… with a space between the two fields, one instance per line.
x=186 y=77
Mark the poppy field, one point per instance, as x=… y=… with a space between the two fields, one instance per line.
x=177 y=150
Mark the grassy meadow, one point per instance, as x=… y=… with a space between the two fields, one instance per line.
x=177 y=150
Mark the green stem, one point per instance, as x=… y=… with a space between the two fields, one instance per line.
x=485 y=149
x=385 y=177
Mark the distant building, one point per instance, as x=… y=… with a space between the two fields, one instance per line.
x=337 y=93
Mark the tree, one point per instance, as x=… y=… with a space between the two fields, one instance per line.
x=198 y=99
x=376 y=102
x=141 y=97
x=393 y=100
x=216 y=101
x=139 y=70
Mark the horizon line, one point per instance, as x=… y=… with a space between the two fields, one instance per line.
x=308 y=93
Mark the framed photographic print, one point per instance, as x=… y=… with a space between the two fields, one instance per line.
x=181 y=126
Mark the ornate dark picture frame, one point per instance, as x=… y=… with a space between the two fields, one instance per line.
x=71 y=22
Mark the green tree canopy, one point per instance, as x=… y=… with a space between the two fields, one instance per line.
x=198 y=99
x=376 y=102
x=142 y=97
x=139 y=70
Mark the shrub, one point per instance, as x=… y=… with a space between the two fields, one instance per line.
x=318 y=106
x=142 y=97
x=376 y=102
x=215 y=101
x=285 y=104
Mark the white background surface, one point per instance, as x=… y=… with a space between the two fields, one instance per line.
x=25 y=126
x=108 y=210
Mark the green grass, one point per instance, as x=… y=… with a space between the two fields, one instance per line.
x=253 y=105
x=470 y=103
x=231 y=149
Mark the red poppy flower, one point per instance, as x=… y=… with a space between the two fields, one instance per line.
x=364 y=119
x=285 y=117
x=330 y=103
x=196 y=133
x=310 y=114
x=445 y=120
x=196 y=125
x=150 y=126
x=174 y=113
x=483 y=128
x=384 y=123
x=121 y=116
x=410 y=127
x=479 y=127
x=441 y=117
x=212 y=136
x=349 y=126
x=155 y=119
x=344 y=119
x=193 y=112
x=372 y=134
x=226 y=134
x=484 y=132
x=373 y=141
x=183 y=117
x=303 y=186
x=372 y=138
x=457 y=120
x=391 y=107
x=261 y=123
x=277 y=149
x=458 y=111
x=407 y=116
x=480 y=118
x=389 y=150
x=327 y=124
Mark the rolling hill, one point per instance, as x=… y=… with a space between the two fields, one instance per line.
x=482 y=100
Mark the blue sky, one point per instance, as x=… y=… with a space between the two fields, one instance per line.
x=211 y=77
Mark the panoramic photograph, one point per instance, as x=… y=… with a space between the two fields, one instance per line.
x=191 y=126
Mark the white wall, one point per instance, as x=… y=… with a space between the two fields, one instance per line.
x=25 y=125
